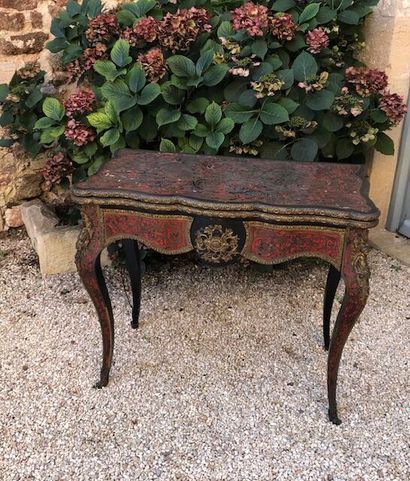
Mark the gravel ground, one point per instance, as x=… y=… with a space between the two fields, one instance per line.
x=224 y=380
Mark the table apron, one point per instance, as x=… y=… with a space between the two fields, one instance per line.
x=264 y=243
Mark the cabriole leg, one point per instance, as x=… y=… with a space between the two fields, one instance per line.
x=132 y=259
x=332 y=284
x=355 y=273
x=89 y=248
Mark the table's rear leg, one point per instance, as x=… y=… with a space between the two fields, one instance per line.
x=355 y=273
x=132 y=259
x=89 y=268
x=332 y=283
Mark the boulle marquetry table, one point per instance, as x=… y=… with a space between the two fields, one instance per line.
x=226 y=208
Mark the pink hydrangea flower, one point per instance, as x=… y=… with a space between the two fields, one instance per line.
x=153 y=63
x=283 y=27
x=393 y=106
x=56 y=168
x=147 y=29
x=252 y=18
x=80 y=102
x=179 y=30
x=366 y=80
x=317 y=39
x=103 y=28
x=79 y=133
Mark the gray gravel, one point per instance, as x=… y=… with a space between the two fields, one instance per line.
x=224 y=380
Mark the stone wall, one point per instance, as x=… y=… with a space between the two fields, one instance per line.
x=388 y=47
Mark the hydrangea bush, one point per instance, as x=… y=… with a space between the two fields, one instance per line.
x=277 y=79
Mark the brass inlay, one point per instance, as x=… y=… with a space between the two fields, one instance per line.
x=216 y=244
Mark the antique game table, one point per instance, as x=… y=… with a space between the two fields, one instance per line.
x=225 y=208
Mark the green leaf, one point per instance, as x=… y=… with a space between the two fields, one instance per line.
x=225 y=126
x=167 y=146
x=120 y=144
x=4 y=91
x=250 y=131
x=215 y=140
x=107 y=69
x=349 y=16
x=99 y=120
x=132 y=119
x=126 y=18
x=272 y=114
x=111 y=112
x=118 y=94
x=378 y=116
x=259 y=48
x=225 y=30
x=238 y=113
x=213 y=114
x=34 y=98
x=165 y=116
x=141 y=7
x=344 y=148
x=136 y=78
x=321 y=100
x=181 y=66
x=50 y=135
x=332 y=122
x=263 y=69
x=308 y=12
x=90 y=149
x=325 y=15
x=282 y=5
x=248 y=98
x=53 y=109
x=198 y=105
x=56 y=45
x=287 y=76
x=384 y=144
x=94 y=8
x=204 y=62
x=120 y=53
x=110 y=137
x=201 y=130
x=95 y=166
x=73 y=8
x=149 y=93
x=215 y=74
x=44 y=123
x=304 y=150
x=72 y=52
x=289 y=104
x=187 y=122
x=304 y=66
x=171 y=94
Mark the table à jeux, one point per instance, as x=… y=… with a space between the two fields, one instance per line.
x=225 y=208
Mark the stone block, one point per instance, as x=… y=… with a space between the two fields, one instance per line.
x=23 y=44
x=12 y=21
x=19 y=4
x=55 y=245
x=13 y=217
x=36 y=19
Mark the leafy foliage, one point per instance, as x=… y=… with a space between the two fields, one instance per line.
x=223 y=81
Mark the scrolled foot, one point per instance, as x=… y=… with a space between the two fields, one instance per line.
x=135 y=324
x=333 y=417
x=326 y=345
x=104 y=378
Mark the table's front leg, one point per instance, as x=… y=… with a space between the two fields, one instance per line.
x=89 y=246
x=355 y=273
